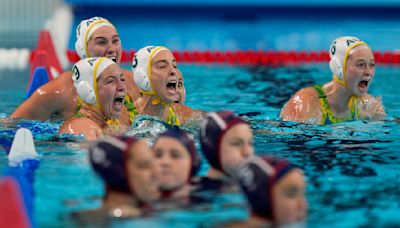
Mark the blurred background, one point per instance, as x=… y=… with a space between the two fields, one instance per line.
x=225 y=25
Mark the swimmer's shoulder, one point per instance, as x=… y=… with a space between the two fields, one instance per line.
x=188 y=115
x=81 y=126
x=303 y=98
x=302 y=106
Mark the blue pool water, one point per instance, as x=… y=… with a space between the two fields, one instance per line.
x=352 y=168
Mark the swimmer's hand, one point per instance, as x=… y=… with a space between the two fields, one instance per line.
x=371 y=108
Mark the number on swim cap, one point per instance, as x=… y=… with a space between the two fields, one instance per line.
x=75 y=73
x=134 y=62
x=78 y=30
x=333 y=48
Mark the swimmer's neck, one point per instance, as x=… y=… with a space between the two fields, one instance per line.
x=338 y=96
x=115 y=199
x=148 y=108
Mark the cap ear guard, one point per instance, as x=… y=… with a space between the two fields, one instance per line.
x=81 y=73
x=80 y=50
x=140 y=64
x=336 y=67
x=141 y=79
x=86 y=92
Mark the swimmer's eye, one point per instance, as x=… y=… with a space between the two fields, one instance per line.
x=161 y=65
x=158 y=153
x=360 y=65
x=100 y=41
x=237 y=143
x=291 y=192
x=176 y=154
x=116 y=41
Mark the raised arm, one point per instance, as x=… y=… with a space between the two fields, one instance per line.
x=54 y=100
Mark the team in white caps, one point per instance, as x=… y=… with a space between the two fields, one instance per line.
x=106 y=103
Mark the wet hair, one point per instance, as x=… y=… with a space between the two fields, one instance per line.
x=213 y=128
x=108 y=157
x=187 y=141
x=257 y=176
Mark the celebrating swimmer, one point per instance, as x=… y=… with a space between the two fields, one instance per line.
x=100 y=85
x=156 y=74
x=346 y=96
x=57 y=99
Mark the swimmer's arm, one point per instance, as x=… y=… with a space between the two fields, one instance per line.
x=49 y=99
x=81 y=126
x=371 y=108
x=303 y=107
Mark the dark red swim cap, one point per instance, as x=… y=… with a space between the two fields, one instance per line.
x=108 y=157
x=257 y=176
x=214 y=126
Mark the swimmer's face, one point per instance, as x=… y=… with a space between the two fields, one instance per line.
x=290 y=204
x=236 y=145
x=164 y=76
x=181 y=89
x=111 y=90
x=360 y=70
x=173 y=161
x=141 y=172
x=105 y=42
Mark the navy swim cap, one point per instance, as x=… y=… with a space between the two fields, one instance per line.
x=213 y=127
x=187 y=141
x=108 y=157
x=257 y=176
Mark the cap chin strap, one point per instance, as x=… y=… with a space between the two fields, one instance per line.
x=157 y=99
x=336 y=78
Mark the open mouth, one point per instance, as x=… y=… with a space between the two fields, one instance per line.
x=113 y=58
x=118 y=102
x=363 y=84
x=171 y=87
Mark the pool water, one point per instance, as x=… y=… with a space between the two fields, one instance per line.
x=352 y=168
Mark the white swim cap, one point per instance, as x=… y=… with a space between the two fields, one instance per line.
x=83 y=32
x=141 y=67
x=339 y=53
x=85 y=74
